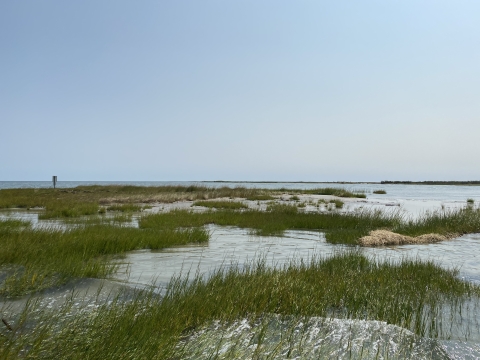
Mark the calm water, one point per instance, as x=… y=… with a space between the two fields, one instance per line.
x=232 y=246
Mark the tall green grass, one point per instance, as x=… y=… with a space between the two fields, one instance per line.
x=411 y=294
x=462 y=221
x=65 y=209
x=341 y=228
x=48 y=257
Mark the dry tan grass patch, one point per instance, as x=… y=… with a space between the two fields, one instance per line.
x=385 y=237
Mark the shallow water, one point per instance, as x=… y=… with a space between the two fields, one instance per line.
x=231 y=246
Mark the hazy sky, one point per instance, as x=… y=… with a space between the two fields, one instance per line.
x=240 y=90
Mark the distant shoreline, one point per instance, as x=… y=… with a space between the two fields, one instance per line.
x=476 y=183
x=385 y=182
x=291 y=182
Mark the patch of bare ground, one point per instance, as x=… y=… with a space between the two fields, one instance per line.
x=385 y=237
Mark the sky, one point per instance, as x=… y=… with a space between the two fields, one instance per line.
x=240 y=90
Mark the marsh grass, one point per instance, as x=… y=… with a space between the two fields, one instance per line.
x=117 y=219
x=50 y=257
x=339 y=228
x=64 y=209
x=95 y=199
x=446 y=222
x=470 y=201
x=125 y=208
x=335 y=192
x=231 y=205
x=409 y=293
x=277 y=218
x=338 y=203
x=260 y=197
x=117 y=194
x=382 y=192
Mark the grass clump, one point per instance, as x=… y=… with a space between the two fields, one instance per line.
x=338 y=203
x=260 y=197
x=48 y=257
x=230 y=205
x=470 y=201
x=382 y=192
x=459 y=222
x=335 y=192
x=410 y=294
x=125 y=208
x=295 y=198
x=11 y=224
x=61 y=209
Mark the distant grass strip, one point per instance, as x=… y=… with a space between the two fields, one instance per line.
x=58 y=200
x=51 y=257
x=125 y=208
x=260 y=197
x=335 y=192
x=411 y=294
x=381 y=192
x=231 y=205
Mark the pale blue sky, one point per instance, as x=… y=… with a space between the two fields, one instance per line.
x=240 y=90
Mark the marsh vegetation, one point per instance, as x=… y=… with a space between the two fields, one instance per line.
x=410 y=293
x=347 y=285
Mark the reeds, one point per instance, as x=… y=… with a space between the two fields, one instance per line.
x=47 y=257
x=410 y=293
x=446 y=222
